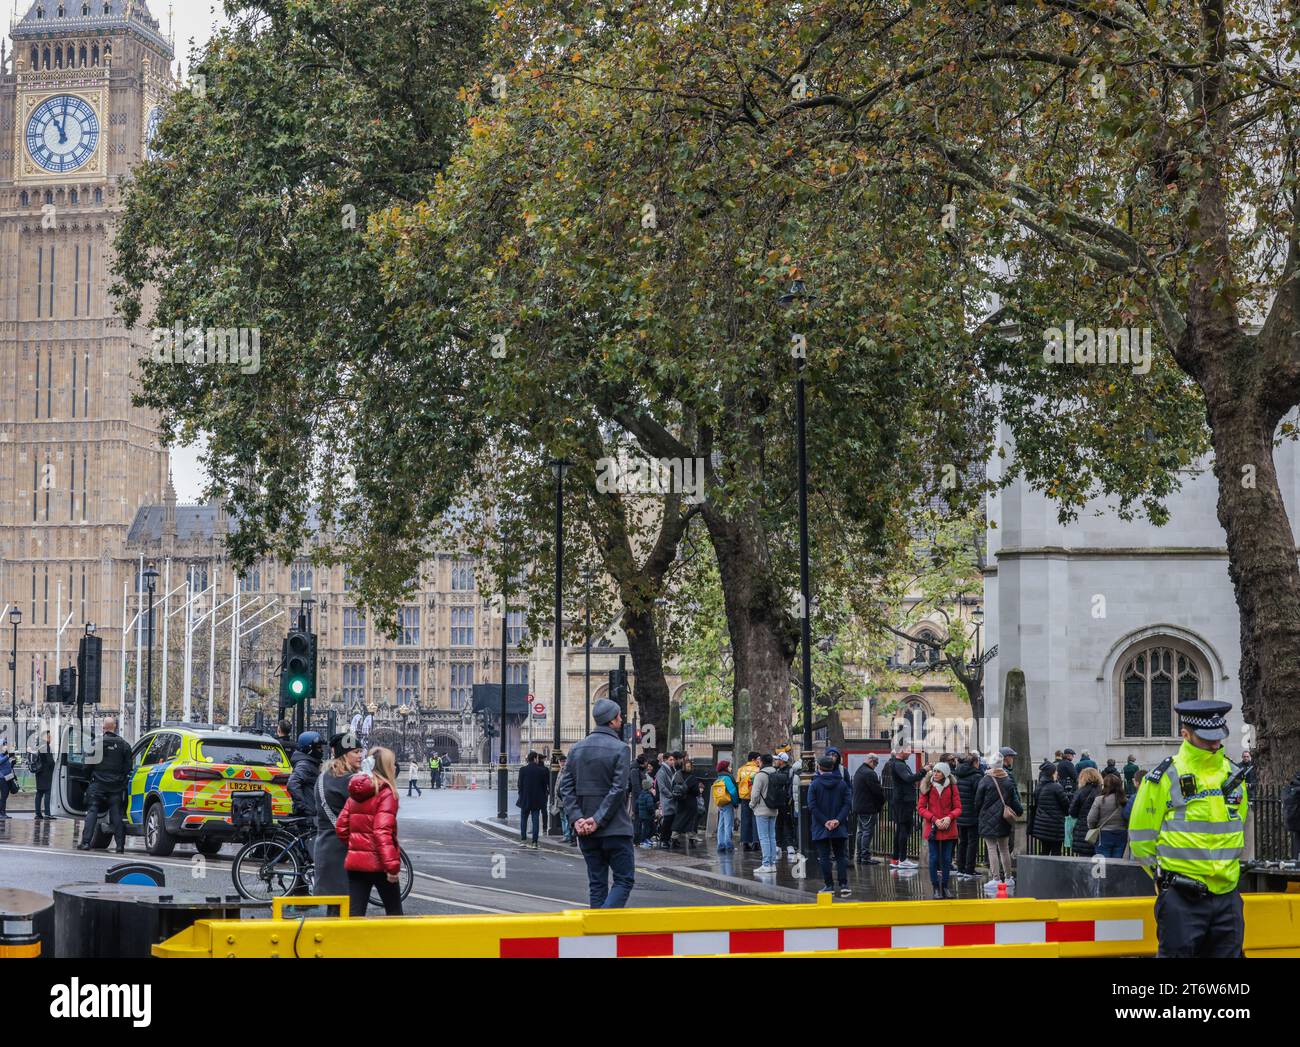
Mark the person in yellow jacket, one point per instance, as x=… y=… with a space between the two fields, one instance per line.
x=1187 y=828
x=744 y=785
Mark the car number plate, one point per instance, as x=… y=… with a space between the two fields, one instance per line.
x=243 y=787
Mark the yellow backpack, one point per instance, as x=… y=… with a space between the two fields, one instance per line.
x=721 y=795
x=745 y=781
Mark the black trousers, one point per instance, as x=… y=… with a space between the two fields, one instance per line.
x=666 y=829
x=902 y=832
x=785 y=834
x=1050 y=848
x=359 y=886
x=43 y=803
x=824 y=848
x=98 y=801
x=968 y=848
x=1208 y=928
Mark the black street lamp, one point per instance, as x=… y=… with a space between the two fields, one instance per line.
x=587 y=576
x=796 y=293
x=559 y=466
x=15 y=616
x=150 y=580
x=503 y=770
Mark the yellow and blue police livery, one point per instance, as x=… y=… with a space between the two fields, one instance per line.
x=182 y=779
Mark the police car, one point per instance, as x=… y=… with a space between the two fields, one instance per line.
x=182 y=778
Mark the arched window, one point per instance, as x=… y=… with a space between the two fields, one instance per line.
x=1151 y=680
x=108 y=53
x=24 y=199
x=58 y=57
x=36 y=59
x=60 y=10
x=910 y=724
x=72 y=196
x=81 y=56
x=45 y=58
x=99 y=196
x=94 y=54
x=49 y=197
x=40 y=12
x=85 y=10
x=929 y=650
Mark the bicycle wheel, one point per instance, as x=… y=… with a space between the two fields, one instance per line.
x=405 y=880
x=266 y=869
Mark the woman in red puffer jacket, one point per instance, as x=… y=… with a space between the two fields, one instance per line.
x=939 y=806
x=368 y=825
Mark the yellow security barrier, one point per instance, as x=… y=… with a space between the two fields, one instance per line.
x=972 y=928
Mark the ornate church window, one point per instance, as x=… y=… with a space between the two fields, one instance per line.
x=1151 y=680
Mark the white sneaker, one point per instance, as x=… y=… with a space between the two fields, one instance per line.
x=907 y=863
x=791 y=853
x=765 y=869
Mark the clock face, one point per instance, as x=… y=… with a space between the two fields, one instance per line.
x=151 y=131
x=62 y=133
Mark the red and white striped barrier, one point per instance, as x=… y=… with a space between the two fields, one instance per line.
x=822 y=939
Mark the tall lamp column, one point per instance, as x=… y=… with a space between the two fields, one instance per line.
x=15 y=616
x=559 y=466
x=150 y=581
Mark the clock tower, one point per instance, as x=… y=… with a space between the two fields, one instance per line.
x=78 y=101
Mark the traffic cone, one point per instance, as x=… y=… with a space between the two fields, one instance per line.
x=1002 y=889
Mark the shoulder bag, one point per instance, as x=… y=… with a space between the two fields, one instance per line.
x=1007 y=812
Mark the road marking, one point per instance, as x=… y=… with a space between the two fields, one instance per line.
x=498 y=890
x=463 y=905
x=501 y=837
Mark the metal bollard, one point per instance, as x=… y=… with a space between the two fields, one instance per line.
x=26 y=921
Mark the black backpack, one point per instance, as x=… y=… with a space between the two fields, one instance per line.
x=778 y=790
x=1291 y=806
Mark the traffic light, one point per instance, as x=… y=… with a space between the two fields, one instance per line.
x=68 y=683
x=618 y=689
x=89 y=661
x=298 y=668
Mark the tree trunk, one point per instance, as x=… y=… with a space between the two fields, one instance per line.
x=764 y=639
x=1262 y=566
x=648 y=665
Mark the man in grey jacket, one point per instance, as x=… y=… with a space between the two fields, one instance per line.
x=594 y=793
x=668 y=782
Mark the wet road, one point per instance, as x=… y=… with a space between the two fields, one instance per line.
x=460 y=868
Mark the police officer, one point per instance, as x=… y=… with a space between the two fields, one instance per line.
x=108 y=784
x=1188 y=829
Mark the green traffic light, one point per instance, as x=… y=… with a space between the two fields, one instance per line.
x=297 y=686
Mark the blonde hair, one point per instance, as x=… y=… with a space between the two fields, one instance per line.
x=1089 y=776
x=385 y=769
x=339 y=766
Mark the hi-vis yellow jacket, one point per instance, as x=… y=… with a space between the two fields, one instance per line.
x=1198 y=834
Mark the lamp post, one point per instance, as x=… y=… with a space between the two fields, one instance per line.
x=797 y=293
x=976 y=670
x=503 y=770
x=404 y=711
x=15 y=616
x=587 y=576
x=150 y=581
x=559 y=466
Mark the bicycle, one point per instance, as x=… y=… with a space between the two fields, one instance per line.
x=282 y=864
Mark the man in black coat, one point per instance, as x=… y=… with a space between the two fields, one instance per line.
x=593 y=789
x=902 y=804
x=1067 y=774
x=967 y=774
x=868 y=800
x=42 y=765
x=109 y=782
x=534 y=783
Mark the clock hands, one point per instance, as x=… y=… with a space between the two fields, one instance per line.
x=63 y=137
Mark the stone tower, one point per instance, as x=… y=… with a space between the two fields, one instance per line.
x=78 y=103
